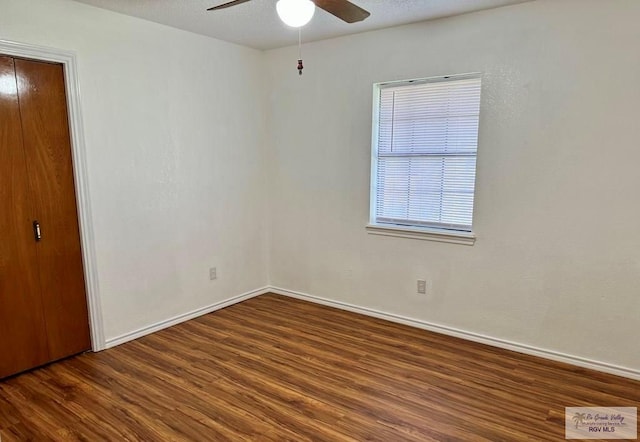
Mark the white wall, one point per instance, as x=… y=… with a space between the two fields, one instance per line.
x=557 y=260
x=174 y=130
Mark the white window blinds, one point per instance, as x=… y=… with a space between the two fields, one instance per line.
x=425 y=153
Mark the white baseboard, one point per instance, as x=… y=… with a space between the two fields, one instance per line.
x=152 y=328
x=437 y=328
x=475 y=337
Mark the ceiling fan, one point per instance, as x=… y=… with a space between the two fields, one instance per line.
x=343 y=9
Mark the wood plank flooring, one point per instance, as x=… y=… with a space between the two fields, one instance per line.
x=279 y=369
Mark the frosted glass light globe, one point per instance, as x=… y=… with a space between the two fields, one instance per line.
x=295 y=13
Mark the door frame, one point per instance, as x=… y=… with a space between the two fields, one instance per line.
x=78 y=152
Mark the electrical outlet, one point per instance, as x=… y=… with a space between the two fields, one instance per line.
x=213 y=273
x=422 y=286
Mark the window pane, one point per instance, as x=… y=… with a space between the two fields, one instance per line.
x=426 y=190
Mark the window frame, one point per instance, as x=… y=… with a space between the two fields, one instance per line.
x=411 y=231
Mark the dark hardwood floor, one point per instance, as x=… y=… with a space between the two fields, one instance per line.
x=279 y=369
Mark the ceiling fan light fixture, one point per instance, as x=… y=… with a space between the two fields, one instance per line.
x=295 y=13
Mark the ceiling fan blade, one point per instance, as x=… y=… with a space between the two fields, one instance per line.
x=227 y=5
x=343 y=9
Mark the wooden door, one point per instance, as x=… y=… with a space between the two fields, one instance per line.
x=42 y=189
x=23 y=338
x=47 y=147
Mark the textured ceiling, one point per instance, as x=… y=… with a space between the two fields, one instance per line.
x=256 y=23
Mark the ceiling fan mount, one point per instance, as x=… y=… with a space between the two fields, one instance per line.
x=343 y=9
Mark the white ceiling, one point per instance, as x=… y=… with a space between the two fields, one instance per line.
x=256 y=23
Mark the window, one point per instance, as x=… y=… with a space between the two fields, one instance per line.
x=425 y=140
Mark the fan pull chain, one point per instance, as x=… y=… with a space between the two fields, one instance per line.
x=300 y=65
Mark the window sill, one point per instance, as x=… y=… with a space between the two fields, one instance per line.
x=450 y=236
